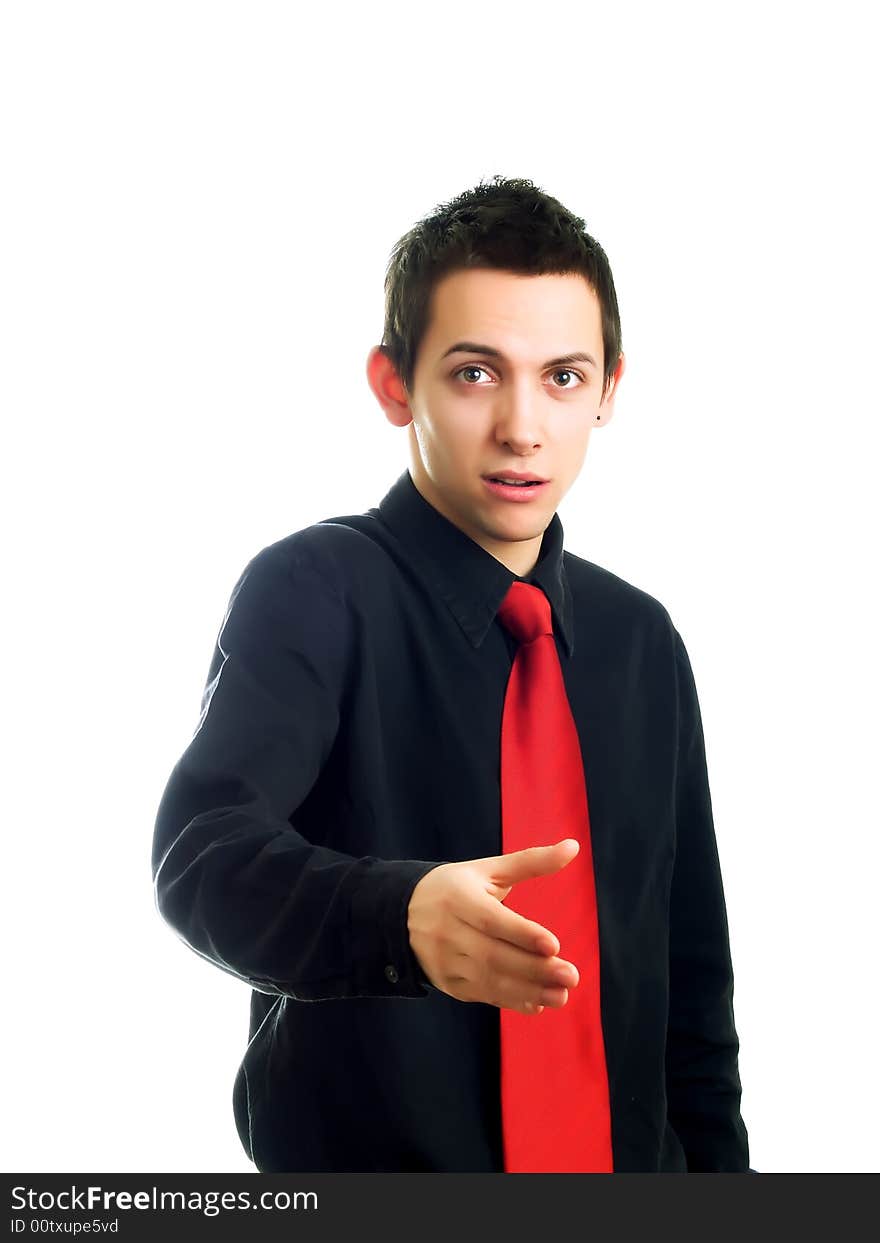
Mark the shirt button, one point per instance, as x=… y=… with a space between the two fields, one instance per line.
x=391 y=974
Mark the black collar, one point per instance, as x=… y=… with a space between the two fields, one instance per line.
x=468 y=578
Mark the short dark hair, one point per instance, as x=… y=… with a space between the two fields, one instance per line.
x=510 y=225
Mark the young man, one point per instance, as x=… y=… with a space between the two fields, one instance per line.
x=333 y=834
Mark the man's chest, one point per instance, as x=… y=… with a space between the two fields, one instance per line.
x=415 y=771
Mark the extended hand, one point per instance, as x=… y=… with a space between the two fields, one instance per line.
x=475 y=949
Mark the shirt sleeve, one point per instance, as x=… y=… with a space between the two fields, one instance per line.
x=231 y=875
x=702 y=1076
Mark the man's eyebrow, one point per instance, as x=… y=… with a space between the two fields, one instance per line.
x=471 y=347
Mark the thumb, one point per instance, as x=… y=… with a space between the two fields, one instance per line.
x=534 y=861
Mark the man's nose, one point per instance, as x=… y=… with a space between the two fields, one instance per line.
x=518 y=419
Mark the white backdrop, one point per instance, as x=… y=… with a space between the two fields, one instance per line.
x=199 y=203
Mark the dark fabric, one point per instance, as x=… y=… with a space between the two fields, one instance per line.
x=349 y=741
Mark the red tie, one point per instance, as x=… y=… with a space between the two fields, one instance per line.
x=555 y=1108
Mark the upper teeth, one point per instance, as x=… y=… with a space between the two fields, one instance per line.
x=516 y=482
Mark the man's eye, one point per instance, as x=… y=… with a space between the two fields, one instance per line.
x=462 y=370
x=559 y=371
x=566 y=371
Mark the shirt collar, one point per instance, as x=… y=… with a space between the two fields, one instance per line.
x=468 y=578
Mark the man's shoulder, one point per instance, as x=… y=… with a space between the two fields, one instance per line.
x=331 y=549
x=612 y=593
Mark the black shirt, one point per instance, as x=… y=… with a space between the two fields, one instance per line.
x=349 y=741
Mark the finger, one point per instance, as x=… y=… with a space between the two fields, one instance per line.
x=523 y=968
x=533 y=861
x=506 y=976
x=554 y=1001
x=493 y=919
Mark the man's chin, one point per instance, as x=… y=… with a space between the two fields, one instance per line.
x=520 y=532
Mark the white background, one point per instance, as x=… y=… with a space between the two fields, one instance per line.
x=199 y=203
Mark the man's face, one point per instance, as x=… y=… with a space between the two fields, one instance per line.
x=475 y=415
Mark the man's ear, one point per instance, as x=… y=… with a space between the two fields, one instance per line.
x=606 y=408
x=388 y=387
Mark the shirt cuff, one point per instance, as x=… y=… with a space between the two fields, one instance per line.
x=385 y=964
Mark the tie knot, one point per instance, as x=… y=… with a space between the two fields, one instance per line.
x=525 y=612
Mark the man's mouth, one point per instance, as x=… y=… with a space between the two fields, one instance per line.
x=514 y=489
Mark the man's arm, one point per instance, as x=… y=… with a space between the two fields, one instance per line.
x=233 y=878
x=702 y=1076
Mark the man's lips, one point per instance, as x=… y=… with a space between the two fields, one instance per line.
x=503 y=475
x=522 y=492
